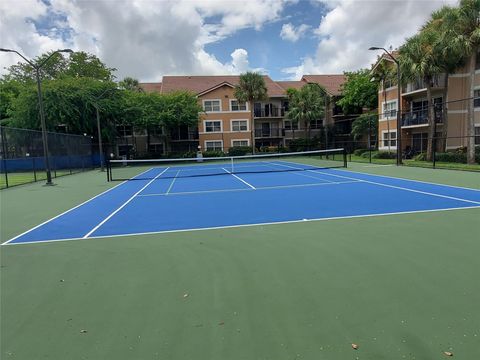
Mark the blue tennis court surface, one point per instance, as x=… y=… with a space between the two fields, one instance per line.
x=166 y=199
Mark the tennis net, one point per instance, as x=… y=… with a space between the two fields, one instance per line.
x=144 y=169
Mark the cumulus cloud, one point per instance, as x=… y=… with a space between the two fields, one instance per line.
x=350 y=27
x=290 y=33
x=143 y=39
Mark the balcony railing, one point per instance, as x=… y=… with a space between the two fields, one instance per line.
x=184 y=135
x=419 y=117
x=269 y=112
x=419 y=84
x=269 y=133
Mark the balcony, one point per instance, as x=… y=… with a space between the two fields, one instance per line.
x=271 y=112
x=183 y=135
x=419 y=118
x=269 y=133
x=419 y=84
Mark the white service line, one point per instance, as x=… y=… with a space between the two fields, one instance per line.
x=249 y=189
x=239 y=178
x=304 y=175
x=123 y=205
x=396 y=187
x=173 y=182
x=71 y=209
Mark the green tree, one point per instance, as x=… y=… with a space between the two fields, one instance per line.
x=131 y=84
x=9 y=90
x=359 y=92
x=251 y=88
x=307 y=105
x=365 y=125
x=418 y=59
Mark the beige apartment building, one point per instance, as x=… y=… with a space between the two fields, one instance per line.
x=225 y=122
x=414 y=105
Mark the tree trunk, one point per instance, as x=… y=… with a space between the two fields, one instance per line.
x=445 y=115
x=431 y=121
x=252 y=127
x=471 y=114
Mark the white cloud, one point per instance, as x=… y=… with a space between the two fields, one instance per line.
x=290 y=33
x=351 y=27
x=143 y=39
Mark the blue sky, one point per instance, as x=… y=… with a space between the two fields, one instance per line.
x=148 y=39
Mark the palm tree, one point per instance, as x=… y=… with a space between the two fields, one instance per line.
x=418 y=60
x=131 y=84
x=307 y=105
x=251 y=88
x=443 y=22
x=468 y=30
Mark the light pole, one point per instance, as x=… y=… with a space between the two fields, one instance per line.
x=399 y=117
x=40 y=104
x=99 y=131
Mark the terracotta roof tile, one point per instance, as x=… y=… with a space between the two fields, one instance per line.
x=291 y=84
x=331 y=83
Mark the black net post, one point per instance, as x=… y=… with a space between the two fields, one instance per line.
x=4 y=155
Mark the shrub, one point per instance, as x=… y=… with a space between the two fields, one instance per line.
x=383 y=155
x=239 y=150
x=421 y=157
x=213 y=153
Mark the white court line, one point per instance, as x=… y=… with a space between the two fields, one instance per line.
x=250 y=189
x=239 y=178
x=252 y=225
x=123 y=205
x=394 y=187
x=173 y=182
x=71 y=209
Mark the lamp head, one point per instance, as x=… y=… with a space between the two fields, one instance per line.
x=6 y=50
x=374 y=48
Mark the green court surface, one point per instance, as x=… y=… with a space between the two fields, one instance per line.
x=400 y=286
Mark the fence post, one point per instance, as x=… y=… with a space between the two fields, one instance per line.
x=4 y=146
x=34 y=169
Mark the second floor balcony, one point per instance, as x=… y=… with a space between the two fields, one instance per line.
x=420 y=117
x=419 y=84
x=269 y=133
x=269 y=112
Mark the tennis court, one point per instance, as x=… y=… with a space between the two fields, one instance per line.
x=174 y=195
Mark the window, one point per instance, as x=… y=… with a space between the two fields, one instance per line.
x=239 y=142
x=213 y=126
x=214 y=145
x=389 y=139
x=156 y=131
x=155 y=149
x=316 y=124
x=477 y=135
x=235 y=105
x=211 y=105
x=476 y=98
x=389 y=109
x=291 y=126
x=239 y=125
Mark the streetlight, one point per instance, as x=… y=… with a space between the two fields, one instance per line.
x=40 y=104
x=399 y=127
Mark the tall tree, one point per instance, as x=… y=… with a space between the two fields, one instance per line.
x=306 y=105
x=358 y=92
x=251 y=88
x=468 y=29
x=365 y=125
x=418 y=60
x=130 y=84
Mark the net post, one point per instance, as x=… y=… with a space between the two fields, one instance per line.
x=107 y=163
x=231 y=161
x=344 y=157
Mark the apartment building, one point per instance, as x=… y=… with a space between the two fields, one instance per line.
x=414 y=105
x=226 y=122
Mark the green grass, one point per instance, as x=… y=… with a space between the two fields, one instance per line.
x=402 y=286
x=21 y=178
x=416 y=163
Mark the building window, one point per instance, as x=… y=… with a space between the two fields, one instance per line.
x=239 y=125
x=156 y=131
x=389 y=109
x=213 y=126
x=211 y=105
x=476 y=98
x=214 y=145
x=124 y=130
x=316 y=124
x=235 y=105
x=240 y=142
x=289 y=125
x=477 y=135
x=389 y=139
x=155 y=148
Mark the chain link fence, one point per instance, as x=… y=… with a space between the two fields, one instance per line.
x=22 y=160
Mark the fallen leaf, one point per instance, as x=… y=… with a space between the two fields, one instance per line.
x=354 y=346
x=185 y=295
x=448 y=353
x=83 y=331
x=221 y=323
